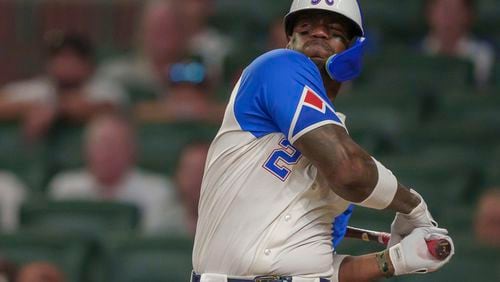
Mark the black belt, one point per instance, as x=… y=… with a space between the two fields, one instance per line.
x=267 y=278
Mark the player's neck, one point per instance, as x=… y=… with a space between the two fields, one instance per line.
x=332 y=87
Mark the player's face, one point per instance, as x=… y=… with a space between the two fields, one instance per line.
x=319 y=35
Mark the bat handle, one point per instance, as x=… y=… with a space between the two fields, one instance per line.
x=439 y=248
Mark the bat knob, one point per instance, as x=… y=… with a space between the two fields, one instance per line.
x=440 y=249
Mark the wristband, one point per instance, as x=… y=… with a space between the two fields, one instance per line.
x=383 y=263
x=385 y=190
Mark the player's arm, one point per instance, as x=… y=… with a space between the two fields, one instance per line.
x=350 y=269
x=351 y=172
x=355 y=176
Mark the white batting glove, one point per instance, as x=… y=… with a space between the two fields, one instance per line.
x=404 y=224
x=411 y=255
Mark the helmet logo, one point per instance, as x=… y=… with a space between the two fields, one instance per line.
x=316 y=2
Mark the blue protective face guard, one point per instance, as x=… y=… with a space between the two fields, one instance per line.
x=347 y=65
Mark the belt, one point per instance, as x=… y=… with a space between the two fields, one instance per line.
x=268 y=278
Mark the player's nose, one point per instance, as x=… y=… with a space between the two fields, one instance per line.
x=319 y=31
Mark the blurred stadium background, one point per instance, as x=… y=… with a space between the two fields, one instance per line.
x=423 y=116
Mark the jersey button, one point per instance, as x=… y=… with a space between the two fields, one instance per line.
x=288 y=217
x=267 y=252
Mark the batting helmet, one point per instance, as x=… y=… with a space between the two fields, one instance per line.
x=347 y=8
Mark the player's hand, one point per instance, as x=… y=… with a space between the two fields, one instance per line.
x=404 y=224
x=411 y=255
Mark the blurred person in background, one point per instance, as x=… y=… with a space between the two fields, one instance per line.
x=487 y=223
x=161 y=42
x=111 y=174
x=8 y=271
x=186 y=98
x=40 y=272
x=450 y=23
x=206 y=42
x=67 y=90
x=12 y=194
x=188 y=177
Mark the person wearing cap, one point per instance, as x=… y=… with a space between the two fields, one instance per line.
x=67 y=90
x=283 y=165
x=186 y=97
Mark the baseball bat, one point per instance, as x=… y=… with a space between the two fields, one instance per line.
x=439 y=248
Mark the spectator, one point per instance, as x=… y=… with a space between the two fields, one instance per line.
x=188 y=179
x=12 y=194
x=487 y=223
x=67 y=89
x=450 y=23
x=40 y=272
x=187 y=98
x=205 y=41
x=162 y=41
x=111 y=174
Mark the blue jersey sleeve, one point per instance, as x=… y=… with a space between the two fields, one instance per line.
x=282 y=91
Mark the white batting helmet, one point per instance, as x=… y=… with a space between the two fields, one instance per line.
x=347 y=8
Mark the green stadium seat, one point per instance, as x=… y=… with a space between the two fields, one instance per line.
x=373 y=128
x=149 y=259
x=25 y=160
x=469 y=135
x=161 y=143
x=459 y=220
x=400 y=68
x=443 y=180
x=140 y=93
x=492 y=169
x=70 y=255
x=91 y=220
x=405 y=23
x=66 y=147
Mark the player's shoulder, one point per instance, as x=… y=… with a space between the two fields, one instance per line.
x=281 y=61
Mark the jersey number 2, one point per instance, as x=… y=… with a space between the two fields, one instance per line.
x=281 y=159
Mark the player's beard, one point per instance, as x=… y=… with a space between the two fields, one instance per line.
x=318 y=50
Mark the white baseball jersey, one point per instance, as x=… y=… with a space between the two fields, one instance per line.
x=264 y=208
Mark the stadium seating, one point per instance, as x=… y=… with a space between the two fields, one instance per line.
x=69 y=254
x=91 y=220
x=161 y=143
x=66 y=146
x=28 y=161
x=149 y=259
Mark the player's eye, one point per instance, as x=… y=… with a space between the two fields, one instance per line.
x=338 y=35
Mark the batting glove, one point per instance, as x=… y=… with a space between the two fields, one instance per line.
x=404 y=224
x=411 y=255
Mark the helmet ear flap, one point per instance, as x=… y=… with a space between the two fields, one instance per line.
x=347 y=65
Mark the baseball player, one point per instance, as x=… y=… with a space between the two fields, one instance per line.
x=283 y=165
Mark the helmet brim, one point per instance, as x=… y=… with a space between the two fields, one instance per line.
x=291 y=17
